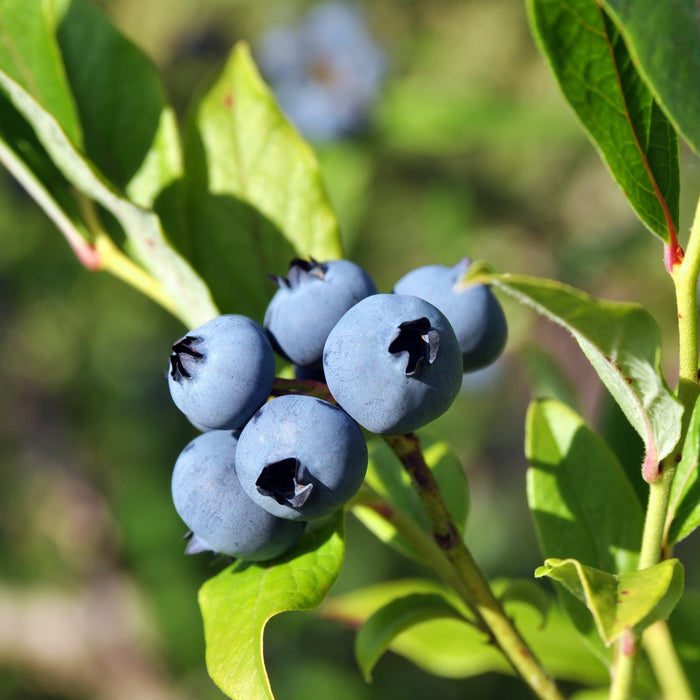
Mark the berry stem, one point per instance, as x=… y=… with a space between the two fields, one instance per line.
x=664 y=660
x=685 y=279
x=424 y=545
x=622 y=673
x=109 y=258
x=112 y=260
x=308 y=387
x=483 y=602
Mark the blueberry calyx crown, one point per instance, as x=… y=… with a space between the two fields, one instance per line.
x=286 y=481
x=420 y=341
x=178 y=371
x=299 y=271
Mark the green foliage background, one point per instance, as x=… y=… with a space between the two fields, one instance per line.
x=471 y=151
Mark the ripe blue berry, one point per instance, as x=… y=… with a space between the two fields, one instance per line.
x=221 y=372
x=208 y=497
x=393 y=363
x=325 y=72
x=309 y=302
x=474 y=312
x=300 y=457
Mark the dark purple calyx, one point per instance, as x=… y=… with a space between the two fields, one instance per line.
x=286 y=481
x=300 y=271
x=420 y=341
x=183 y=348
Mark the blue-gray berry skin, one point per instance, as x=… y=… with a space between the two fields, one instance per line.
x=221 y=372
x=474 y=312
x=309 y=302
x=300 y=457
x=210 y=500
x=393 y=363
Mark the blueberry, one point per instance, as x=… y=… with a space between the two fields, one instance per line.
x=309 y=302
x=393 y=363
x=474 y=312
x=208 y=497
x=300 y=457
x=221 y=372
x=326 y=71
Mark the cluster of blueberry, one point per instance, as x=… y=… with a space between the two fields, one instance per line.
x=392 y=362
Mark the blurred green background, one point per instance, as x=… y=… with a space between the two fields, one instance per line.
x=470 y=150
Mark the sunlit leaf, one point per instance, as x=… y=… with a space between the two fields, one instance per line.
x=453 y=648
x=524 y=590
x=29 y=163
x=664 y=42
x=570 y=469
x=187 y=297
x=390 y=481
x=384 y=625
x=597 y=694
x=624 y=441
x=255 y=198
x=630 y=601
x=684 y=503
x=30 y=57
x=600 y=81
x=623 y=343
x=130 y=132
x=237 y=603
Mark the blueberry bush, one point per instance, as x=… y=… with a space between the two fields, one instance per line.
x=307 y=393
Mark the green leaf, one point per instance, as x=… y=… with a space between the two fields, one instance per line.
x=184 y=293
x=29 y=55
x=27 y=161
x=389 y=480
x=664 y=42
x=237 y=603
x=597 y=694
x=454 y=648
x=526 y=591
x=684 y=503
x=633 y=600
x=384 y=625
x=120 y=100
x=598 y=78
x=624 y=441
x=254 y=191
x=622 y=342
x=570 y=467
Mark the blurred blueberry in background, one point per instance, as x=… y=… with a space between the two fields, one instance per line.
x=325 y=72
